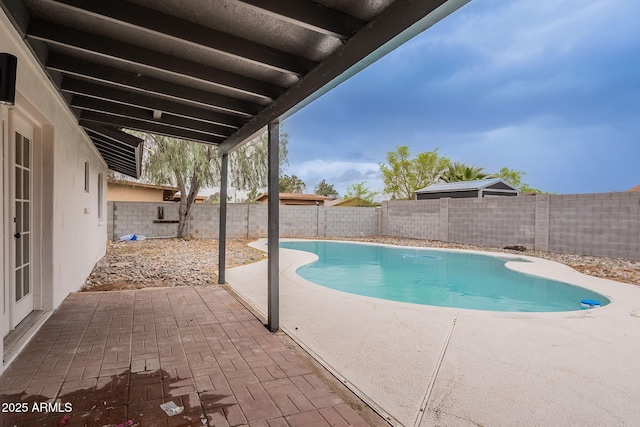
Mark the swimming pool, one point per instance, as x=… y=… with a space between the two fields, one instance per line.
x=435 y=277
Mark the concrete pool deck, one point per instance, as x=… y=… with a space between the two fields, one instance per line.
x=424 y=365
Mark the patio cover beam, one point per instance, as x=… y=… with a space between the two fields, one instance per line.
x=150 y=86
x=148 y=59
x=273 y=228
x=146 y=115
x=164 y=25
x=160 y=129
x=113 y=94
x=313 y=16
x=222 y=223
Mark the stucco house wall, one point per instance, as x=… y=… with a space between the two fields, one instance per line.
x=68 y=238
x=123 y=193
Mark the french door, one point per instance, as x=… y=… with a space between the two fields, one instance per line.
x=22 y=208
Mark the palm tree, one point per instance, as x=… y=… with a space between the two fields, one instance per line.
x=460 y=172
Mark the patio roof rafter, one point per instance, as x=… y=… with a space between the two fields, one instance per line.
x=310 y=15
x=146 y=59
x=146 y=115
x=166 y=26
x=144 y=126
x=105 y=93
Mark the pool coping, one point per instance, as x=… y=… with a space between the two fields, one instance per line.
x=413 y=394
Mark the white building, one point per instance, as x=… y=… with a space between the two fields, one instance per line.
x=53 y=198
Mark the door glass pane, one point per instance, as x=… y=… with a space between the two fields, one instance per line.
x=19 y=217
x=26 y=283
x=25 y=216
x=18 y=183
x=18 y=149
x=18 y=284
x=25 y=249
x=18 y=252
x=25 y=184
x=27 y=148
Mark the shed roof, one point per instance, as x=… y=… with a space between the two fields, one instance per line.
x=478 y=184
x=210 y=71
x=634 y=189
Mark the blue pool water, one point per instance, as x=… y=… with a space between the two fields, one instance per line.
x=432 y=277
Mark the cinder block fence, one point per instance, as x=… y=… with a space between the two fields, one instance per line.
x=602 y=224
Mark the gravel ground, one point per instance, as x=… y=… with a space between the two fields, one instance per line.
x=165 y=262
x=177 y=262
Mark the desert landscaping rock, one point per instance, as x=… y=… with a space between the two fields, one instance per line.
x=178 y=262
x=165 y=263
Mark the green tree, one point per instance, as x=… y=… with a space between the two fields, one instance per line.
x=514 y=177
x=324 y=189
x=292 y=184
x=457 y=172
x=403 y=175
x=191 y=166
x=359 y=191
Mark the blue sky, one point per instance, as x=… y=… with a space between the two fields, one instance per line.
x=548 y=88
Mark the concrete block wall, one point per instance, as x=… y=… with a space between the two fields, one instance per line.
x=603 y=224
x=204 y=220
x=243 y=220
x=418 y=219
x=138 y=217
x=494 y=221
x=257 y=221
x=349 y=222
x=298 y=221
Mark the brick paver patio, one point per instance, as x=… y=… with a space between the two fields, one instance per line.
x=112 y=358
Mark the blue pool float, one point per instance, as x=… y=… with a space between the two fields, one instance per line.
x=590 y=303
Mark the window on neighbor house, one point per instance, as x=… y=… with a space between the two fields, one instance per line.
x=86 y=177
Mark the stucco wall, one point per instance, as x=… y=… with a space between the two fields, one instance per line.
x=120 y=192
x=72 y=237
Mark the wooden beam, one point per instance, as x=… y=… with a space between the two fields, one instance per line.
x=116 y=51
x=308 y=14
x=142 y=126
x=151 y=86
x=166 y=26
x=97 y=105
x=135 y=99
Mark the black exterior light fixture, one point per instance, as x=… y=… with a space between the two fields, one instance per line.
x=8 y=67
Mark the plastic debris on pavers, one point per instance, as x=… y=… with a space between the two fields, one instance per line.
x=132 y=237
x=171 y=409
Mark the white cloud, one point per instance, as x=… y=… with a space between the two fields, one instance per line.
x=339 y=173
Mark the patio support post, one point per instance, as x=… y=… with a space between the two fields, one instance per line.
x=273 y=212
x=222 y=234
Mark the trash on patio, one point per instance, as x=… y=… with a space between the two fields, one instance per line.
x=171 y=409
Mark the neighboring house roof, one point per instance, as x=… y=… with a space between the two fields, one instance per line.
x=294 y=196
x=350 y=202
x=140 y=184
x=634 y=189
x=478 y=184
